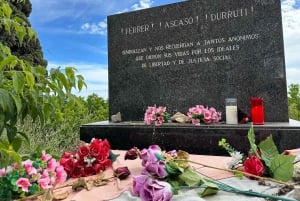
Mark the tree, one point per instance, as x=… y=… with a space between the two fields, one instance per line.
x=30 y=50
x=27 y=90
x=294 y=101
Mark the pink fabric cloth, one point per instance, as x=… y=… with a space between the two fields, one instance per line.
x=116 y=187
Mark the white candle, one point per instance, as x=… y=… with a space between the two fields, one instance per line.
x=231 y=114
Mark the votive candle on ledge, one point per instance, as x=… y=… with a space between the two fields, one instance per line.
x=257 y=110
x=231 y=111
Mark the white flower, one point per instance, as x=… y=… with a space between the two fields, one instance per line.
x=236 y=159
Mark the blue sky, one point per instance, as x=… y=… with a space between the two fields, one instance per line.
x=74 y=33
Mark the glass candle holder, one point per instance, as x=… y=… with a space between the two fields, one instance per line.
x=231 y=111
x=257 y=110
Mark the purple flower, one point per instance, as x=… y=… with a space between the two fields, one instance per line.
x=138 y=183
x=151 y=155
x=151 y=190
x=157 y=169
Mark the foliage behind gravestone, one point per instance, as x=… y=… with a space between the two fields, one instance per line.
x=27 y=90
x=294 y=101
x=30 y=50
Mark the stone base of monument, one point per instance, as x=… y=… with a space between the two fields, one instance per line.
x=201 y=139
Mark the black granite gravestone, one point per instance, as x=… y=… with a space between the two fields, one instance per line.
x=197 y=52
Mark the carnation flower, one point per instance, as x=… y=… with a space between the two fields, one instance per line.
x=31 y=176
x=156 y=115
x=201 y=114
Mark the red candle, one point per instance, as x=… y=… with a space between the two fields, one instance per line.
x=257 y=110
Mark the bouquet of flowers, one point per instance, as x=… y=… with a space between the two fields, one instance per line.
x=164 y=173
x=89 y=159
x=156 y=115
x=30 y=177
x=201 y=114
x=262 y=159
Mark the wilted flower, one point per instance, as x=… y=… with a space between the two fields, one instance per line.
x=122 y=172
x=131 y=154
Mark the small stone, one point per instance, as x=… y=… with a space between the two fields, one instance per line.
x=296 y=174
x=181 y=118
x=116 y=117
x=296 y=193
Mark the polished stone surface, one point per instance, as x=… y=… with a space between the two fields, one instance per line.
x=197 y=52
x=201 y=139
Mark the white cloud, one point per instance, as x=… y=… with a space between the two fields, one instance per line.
x=101 y=27
x=291 y=33
x=142 y=4
x=95 y=28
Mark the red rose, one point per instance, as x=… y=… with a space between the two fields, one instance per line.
x=77 y=172
x=67 y=154
x=89 y=171
x=106 y=163
x=105 y=148
x=253 y=165
x=98 y=167
x=67 y=164
x=83 y=151
x=95 y=149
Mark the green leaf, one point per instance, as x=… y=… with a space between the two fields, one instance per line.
x=268 y=150
x=210 y=188
x=18 y=81
x=7 y=25
x=21 y=32
x=6 y=10
x=17 y=101
x=6 y=102
x=173 y=169
x=64 y=81
x=282 y=167
x=8 y=61
x=251 y=138
x=30 y=79
x=25 y=136
x=191 y=177
x=2 y=122
x=113 y=157
x=17 y=143
x=70 y=73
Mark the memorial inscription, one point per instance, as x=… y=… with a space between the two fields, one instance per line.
x=197 y=52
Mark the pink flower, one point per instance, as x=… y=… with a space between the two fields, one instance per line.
x=61 y=174
x=196 y=122
x=45 y=157
x=2 y=172
x=52 y=164
x=24 y=184
x=44 y=183
x=29 y=168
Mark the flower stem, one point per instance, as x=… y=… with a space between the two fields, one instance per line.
x=241 y=172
